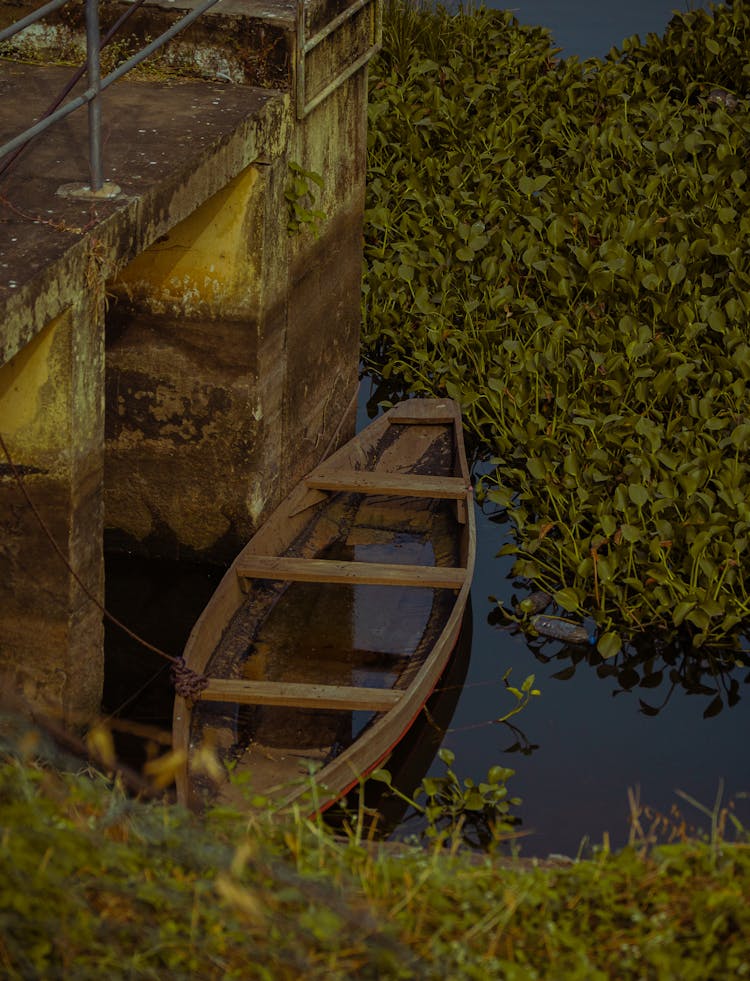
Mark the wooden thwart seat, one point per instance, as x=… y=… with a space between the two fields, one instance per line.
x=296 y=695
x=380 y=482
x=333 y=570
x=419 y=413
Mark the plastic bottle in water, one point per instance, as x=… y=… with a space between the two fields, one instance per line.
x=560 y=629
x=534 y=603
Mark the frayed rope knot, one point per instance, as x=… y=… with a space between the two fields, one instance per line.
x=187 y=683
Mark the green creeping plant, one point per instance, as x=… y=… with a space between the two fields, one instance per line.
x=300 y=194
x=462 y=810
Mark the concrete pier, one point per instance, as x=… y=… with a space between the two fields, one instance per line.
x=172 y=358
x=51 y=416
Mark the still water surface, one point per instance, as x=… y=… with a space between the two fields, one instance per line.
x=583 y=745
x=589 y=29
x=577 y=748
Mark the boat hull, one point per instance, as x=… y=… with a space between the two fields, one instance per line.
x=335 y=622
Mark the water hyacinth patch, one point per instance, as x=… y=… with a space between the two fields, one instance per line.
x=562 y=247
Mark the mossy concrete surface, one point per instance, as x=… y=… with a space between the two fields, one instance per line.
x=247 y=41
x=51 y=419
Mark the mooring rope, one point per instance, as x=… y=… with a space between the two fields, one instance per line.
x=187 y=683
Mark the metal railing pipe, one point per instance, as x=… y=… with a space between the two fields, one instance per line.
x=31 y=18
x=105 y=82
x=95 y=87
x=146 y=52
x=333 y=25
x=305 y=45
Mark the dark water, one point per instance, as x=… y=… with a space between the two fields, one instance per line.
x=589 y=29
x=592 y=744
x=577 y=748
x=160 y=601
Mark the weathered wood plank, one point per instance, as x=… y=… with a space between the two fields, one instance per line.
x=379 y=482
x=332 y=570
x=423 y=412
x=295 y=695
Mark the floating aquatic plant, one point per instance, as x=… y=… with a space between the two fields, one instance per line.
x=561 y=246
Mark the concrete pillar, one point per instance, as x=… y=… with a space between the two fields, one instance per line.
x=51 y=418
x=196 y=360
x=232 y=348
x=231 y=345
x=325 y=279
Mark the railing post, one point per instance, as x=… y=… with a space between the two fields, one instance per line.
x=299 y=68
x=95 y=107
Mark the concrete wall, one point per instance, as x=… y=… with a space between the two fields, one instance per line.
x=325 y=277
x=225 y=365
x=195 y=359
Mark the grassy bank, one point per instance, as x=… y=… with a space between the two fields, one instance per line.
x=92 y=883
x=95 y=885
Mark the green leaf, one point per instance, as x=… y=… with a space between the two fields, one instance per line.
x=567 y=599
x=528 y=683
x=681 y=610
x=498 y=774
x=676 y=273
x=536 y=468
x=381 y=775
x=630 y=533
x=532 y=185
x=609 y=524
x=693 y=141
x=638 y=495
x=556 y=232
x=422 y=301
x=714 y=708
x=609 y=644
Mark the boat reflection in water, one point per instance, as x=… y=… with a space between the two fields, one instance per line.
x=385 y=811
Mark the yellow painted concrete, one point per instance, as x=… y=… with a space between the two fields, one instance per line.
x=201 y=265
x=35 y=389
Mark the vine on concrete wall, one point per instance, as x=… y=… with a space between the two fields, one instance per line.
x=301 y=194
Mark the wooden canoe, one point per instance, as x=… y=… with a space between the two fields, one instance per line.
x=333 y=625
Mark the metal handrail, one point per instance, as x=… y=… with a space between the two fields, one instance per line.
x=31 y=18
x=97 y=84
x=305 y=45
